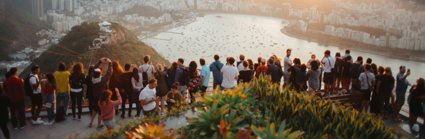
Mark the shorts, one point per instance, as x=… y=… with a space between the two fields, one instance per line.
x=109 y=124
x=328 y=78
x=366 y=94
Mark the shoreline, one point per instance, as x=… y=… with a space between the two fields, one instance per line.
x=327 y=40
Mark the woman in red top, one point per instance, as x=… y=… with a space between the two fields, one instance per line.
x=48 y=90
x=14 y=88
x=262 y=69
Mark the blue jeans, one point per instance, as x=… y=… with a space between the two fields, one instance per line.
x=62 y=100
x=49 y=107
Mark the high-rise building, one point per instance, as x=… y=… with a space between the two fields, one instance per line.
x=69 y=5
x=37 y=8
x=54 y=4
x=61 y=5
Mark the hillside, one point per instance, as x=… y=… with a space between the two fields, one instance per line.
x=73 y=47
x=18 y=29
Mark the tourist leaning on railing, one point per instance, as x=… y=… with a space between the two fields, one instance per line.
x=48 y=89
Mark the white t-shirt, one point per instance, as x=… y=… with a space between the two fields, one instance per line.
x=366 y=80
x=329 y=64
x=148 y=94
x=287 y=63
x=149 y=69
x=137 y=84
x=34 y=80
x=240 y=66
x=229 y=72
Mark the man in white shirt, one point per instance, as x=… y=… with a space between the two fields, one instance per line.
x=36 y=97
x=367 y=80
x=230 y=74
x=148 y=98
x=287 y=63
x=328 y=63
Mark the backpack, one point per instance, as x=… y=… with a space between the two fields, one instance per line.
x=145 y=76
x=27 y=85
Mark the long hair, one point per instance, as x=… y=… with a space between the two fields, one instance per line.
x=250 y=64
x=420 y=87
x=105 y=96
x=117 y=68
x=51 y=79
x=136 y=74
x=192 y=69
x=90 y=71
x=78 y=68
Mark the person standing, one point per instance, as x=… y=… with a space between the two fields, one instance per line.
x=239 y=63
x=4 y=113
x=147 y=70
x=262 y=69
x=48 y=90
x=385 y=88
x=287 y=64
x=14 y=89
x=205 y=76
x=76 y=81
x=36 y=96
x=339 y=63
x=148 y=99
x=100 y=84
x=126 y=89
x=346 y=75
x=215 y=68
x=355 y=70
x=313 y=58
x=367 y=80
x=230 y=74
x=274 y=71
x=374 y=67
x=313 y=76
x=62 y=91
x=171 y=73
x=182 y=76
x=89 y=89
x=377 y=97
x=246 y=75
x=347 y=53
x=162 y=89
x=400 y=90
x=115 y=82
x=194 y=80
x=137 y=85
x=328 y=77
x=107 y=108
x=417 y=97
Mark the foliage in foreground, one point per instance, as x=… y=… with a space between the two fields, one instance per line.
x=258 y=107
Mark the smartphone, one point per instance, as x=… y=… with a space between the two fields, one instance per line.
x=408 y=70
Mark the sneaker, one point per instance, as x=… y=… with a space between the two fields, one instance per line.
x=47 y=123
x=36 y=122
x=39 y=120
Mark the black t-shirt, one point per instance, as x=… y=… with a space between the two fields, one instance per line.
x=346 y=66
x=275 y=72
x=125 y=79
x=245 y=75
x=387 y=83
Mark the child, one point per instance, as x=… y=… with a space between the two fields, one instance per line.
x=107 y=108
x=48 y=89
x=174 y=96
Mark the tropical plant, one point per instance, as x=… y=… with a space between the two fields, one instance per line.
x=149 y=131
x=270 y=132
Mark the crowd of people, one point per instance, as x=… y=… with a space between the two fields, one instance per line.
x=154 y=88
